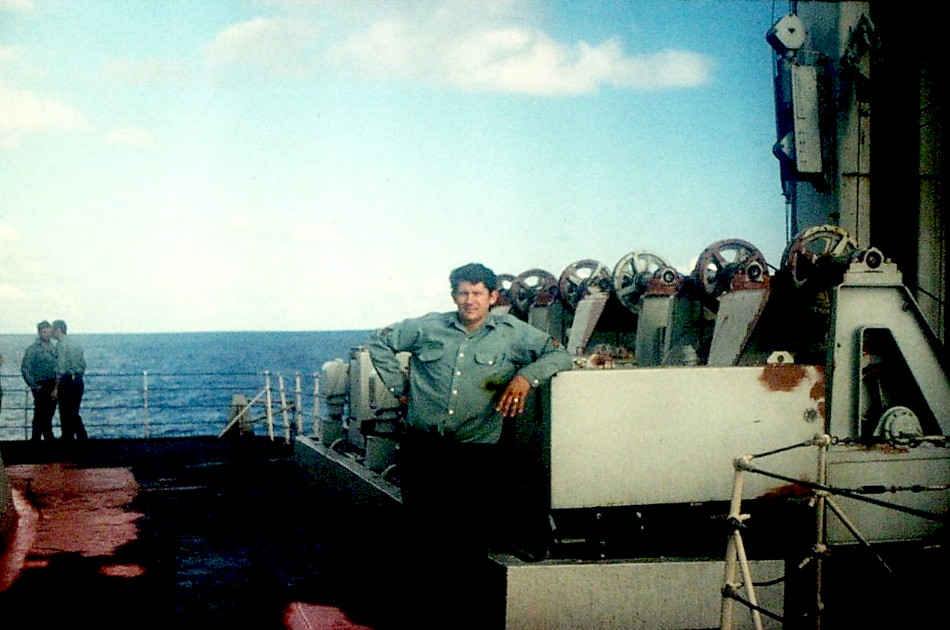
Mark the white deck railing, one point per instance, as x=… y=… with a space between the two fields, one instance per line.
x=147 y=404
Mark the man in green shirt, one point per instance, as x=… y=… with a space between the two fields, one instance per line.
x=470 y=369
x=469 y=374
x=38 y=369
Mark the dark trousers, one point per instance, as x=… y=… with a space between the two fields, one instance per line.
x=453 y=493
x=454 y=497
x=71 y=389
x=44 y=408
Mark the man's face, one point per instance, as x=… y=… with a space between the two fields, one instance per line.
x=473 y=301
x=46 y=332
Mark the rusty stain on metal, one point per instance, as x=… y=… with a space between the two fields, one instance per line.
x=819 y=392
x=788 y=491
x=818 y=389
x=782 y=377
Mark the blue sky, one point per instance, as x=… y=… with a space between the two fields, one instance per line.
x=289 y=165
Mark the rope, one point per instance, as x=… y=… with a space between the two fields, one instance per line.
x=851 y=494
x=731 y=592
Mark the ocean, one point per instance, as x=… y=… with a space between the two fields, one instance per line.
x=176 y=384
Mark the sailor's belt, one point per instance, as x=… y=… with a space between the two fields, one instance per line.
x=423 y=431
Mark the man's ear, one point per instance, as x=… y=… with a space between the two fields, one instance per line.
x=494 y=297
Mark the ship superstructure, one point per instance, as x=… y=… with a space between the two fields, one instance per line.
x=749 y=421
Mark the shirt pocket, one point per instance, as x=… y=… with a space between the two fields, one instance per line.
x=494 y=369
x=489 y=359
x=431 y=351
x=495 y=365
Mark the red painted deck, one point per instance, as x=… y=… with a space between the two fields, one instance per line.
x=300 y=616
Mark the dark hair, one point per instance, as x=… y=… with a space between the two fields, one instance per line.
x=60 y=324
x=43 y=324
x=474 y=273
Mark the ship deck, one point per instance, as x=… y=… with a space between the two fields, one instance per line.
x=195 y=532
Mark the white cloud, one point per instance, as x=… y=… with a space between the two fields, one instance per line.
x=272 y=45
x=9 y=233
x=522 y=61
x=666 y=69
x=512 y=59
x=10 y=292
x=131 y=137
x=146 y=72
x=9 y=53
x=22 y=7
x=239 y=223
x=316 y=234
x=19 y=269
x=25 y=113
x=475 y=46
x=386 y=49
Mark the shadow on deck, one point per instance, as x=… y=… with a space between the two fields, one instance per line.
x=225 y=534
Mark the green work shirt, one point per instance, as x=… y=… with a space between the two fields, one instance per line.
x=39 y=364
x=455 y=377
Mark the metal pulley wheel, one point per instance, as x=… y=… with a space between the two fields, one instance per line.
x=719 y=263
x=532 y=287
x=899 y=424
x=631 y=274
x=801 y=258
x=580 y=277
x=503 y=286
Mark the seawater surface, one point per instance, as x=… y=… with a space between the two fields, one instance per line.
x=190 y=378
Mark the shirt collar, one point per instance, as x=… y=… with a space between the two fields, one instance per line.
x=452 y=320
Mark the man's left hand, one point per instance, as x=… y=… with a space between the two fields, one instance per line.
x=511 y=403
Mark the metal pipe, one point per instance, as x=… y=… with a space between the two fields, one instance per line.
x=727 y=609
x=239 y=415
x=268 y=403
x=821 y=542
x=298 y=403
x=27 y=394
x=145 y=403
x=283 y=406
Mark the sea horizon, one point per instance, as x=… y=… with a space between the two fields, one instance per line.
x=179 y=383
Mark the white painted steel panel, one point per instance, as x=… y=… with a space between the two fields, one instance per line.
x=629 y=595
x=670 y=435
x=854 y=467
x=805 y=107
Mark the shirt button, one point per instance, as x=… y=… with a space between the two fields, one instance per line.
x=458 y=373
x=455 y=392
x=451 y=411
x=461 y=354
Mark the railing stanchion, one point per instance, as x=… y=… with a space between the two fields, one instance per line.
x=148 y=432
x=298 y=403
x=27 y=394
x=268 y=402
x=283 y=406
